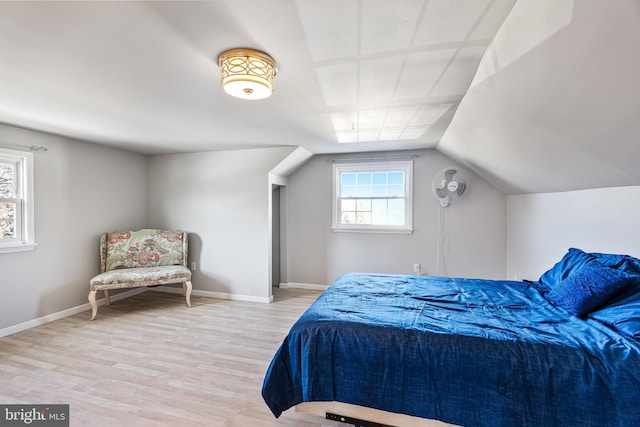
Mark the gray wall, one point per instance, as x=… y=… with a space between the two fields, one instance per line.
x=223 y=199
x=475 y=229
x=542 y=227
x=81 y=190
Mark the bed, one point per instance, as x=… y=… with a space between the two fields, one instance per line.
x=560 y=351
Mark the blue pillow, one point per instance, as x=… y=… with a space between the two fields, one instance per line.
x=573 y=260
x=626 y=263
x=588 y=288
x=623 y=313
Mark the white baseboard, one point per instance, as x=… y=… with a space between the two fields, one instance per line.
x=74 y=310
x=219 y=295
x=64 y=313
x=303 y=286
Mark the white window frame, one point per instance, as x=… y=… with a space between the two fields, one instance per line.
x=405 y=166
x=25 y=229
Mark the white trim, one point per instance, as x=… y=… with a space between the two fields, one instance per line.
x=405 y=166
x=297 y=285
x=218 y=295
x=64 y=313
x=25 y=222
x=19 y=247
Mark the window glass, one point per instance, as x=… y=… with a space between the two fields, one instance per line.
x=16 y=201
x=373 y=196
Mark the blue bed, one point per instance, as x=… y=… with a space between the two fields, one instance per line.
x=468 y=351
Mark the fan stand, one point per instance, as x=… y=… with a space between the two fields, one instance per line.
x=442 y=240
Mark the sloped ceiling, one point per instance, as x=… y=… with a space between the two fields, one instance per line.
x=553 y=105
x=353 y=75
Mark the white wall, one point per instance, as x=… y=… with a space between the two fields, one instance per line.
x=476 y=229
x=81 y=190
x=542 y=227
x=222 y=199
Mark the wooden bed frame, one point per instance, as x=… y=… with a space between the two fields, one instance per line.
x=362 y=416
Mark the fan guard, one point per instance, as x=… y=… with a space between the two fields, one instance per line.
x=449 y=185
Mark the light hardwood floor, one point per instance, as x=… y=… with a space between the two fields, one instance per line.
x=148 y=360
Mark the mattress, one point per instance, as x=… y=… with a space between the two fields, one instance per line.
x=462 y=351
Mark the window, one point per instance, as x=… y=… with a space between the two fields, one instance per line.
x=16 y=201
x=373 y=196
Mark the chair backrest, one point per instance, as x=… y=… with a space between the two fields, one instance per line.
x=142 y=248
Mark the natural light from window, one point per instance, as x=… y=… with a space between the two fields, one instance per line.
x=373 y=196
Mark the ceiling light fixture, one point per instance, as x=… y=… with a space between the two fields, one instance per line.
x=247 y=73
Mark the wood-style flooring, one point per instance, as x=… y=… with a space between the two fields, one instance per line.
x=148 y=360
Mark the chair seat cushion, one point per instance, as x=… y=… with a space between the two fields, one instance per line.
x=139 y=276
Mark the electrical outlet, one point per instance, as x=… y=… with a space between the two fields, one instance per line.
x=417 y=268
x=193 y=266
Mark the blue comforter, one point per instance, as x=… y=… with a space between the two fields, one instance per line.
x=465 y=351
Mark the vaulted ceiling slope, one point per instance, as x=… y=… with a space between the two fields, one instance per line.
x=555 y=105
x=353 y=75
x=535 y=96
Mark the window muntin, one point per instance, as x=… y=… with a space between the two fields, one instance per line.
x=16 y=201
x=373 y=196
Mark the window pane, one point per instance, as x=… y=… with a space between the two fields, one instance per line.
x=396 y=218
x=348 y=191
x=364 y=190
x=379 y=218
x=348 y=205
x=364 y=205
x=6 y=180
x=364 y=178
x=348 y=179
x=396 y=205
x=7 y=221
x=380 y=178
x=379 y=205
x=379 y=190
x=348 y=218
x=396 y=190
x=364 y=217
x=396 y=178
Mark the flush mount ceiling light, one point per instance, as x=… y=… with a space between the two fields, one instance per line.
x=247 y=73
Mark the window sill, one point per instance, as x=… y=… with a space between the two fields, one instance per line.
x=373 y=230
x=18 y=247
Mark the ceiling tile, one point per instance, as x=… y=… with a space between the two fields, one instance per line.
x=329 y=27
x=420 y=74
x=448 y=21
x=388 y=25
x=339 y=83
x=458 y=75
x=378 y=79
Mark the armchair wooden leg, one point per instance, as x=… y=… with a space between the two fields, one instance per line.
x=94 y=306
x=107 y=301
x=188 y=292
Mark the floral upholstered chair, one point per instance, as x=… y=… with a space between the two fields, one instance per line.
x=148 y=257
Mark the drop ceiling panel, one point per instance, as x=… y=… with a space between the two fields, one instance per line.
x=330 y=27
x=378 y=79
x=444 y=21
x=458 y=75
x=421 y=72
x=339 y=83
x=399 y=20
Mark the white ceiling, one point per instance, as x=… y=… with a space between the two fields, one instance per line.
x=553 y=105
x=387 y=74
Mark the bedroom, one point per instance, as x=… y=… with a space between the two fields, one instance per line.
x=554 y=131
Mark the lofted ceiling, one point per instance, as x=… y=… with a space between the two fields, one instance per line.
x=533 y=95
